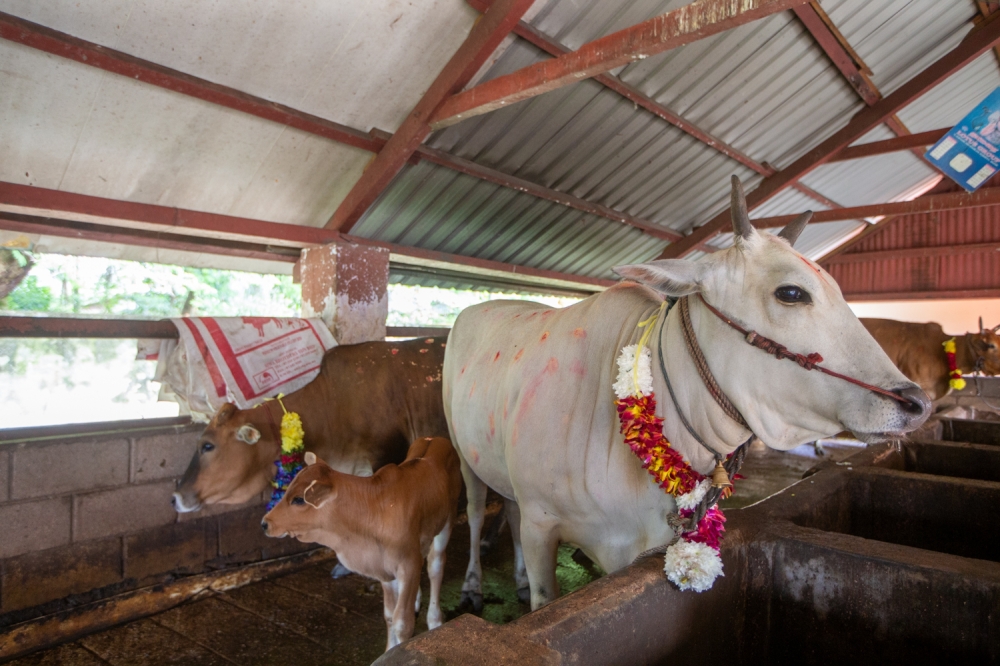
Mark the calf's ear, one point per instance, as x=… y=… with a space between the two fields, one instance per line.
x=673 y=277
x=248 y=434
x=318 y=493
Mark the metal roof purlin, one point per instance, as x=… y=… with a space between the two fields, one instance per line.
x=542 y=41
x=480 y=44
x=57 y=43
x=39 y=201
x=667 y=31
x=974 y=45
x=905 y=142
x=989 y=196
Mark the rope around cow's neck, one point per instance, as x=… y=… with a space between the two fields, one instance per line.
x=806 y=361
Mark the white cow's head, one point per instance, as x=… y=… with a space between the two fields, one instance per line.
x=768 y=287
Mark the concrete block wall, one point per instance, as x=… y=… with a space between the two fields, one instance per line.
x=85 y=517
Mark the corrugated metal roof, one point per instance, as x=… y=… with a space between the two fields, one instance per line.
x=766 y=88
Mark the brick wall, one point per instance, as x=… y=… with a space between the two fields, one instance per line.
x=85 y=517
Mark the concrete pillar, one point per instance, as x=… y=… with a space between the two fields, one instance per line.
x=346 y=285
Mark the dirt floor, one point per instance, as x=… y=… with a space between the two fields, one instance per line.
x=306 y=617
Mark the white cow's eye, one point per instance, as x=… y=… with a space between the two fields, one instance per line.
x=792 y=294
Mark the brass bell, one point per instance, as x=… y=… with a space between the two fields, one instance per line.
x=720 y=477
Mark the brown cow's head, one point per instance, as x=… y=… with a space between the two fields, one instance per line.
x=297 y=514
x=233 y=462
x=986 y=346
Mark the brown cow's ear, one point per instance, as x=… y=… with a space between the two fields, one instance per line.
x=310 y=458
x=226 y=411
x=319 y=492
x=248 y=434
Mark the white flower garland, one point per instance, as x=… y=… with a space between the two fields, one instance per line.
x=692 y=566
x=635 y=376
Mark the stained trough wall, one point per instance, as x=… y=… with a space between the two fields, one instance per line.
x=83 y=517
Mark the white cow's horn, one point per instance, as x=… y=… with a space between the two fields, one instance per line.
x=741 y=220
x=791 y=232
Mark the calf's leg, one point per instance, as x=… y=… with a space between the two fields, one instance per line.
x=472 y=588
x=435 y=571
x=520 y=573
x=407 y=582
x=389 y=597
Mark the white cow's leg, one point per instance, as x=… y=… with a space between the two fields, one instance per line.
x=520 y=573
x=472 y=588
x=408 y=582
x=389 y=607
x=435 y=571
x=540 y=541
x=416 y=604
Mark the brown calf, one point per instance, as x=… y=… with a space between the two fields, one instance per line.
x=382 y=526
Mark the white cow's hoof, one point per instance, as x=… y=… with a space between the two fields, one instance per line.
x=471 y=601
x=524 y=595
x=339 y=571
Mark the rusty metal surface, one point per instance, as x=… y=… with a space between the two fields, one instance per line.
x=30 y=636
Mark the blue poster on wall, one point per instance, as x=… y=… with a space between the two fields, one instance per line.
x=970 y=153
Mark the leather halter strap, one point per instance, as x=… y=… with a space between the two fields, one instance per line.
x=806 y=361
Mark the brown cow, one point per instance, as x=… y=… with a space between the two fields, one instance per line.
x=381 y=526
x=367 y=404
x=917 y=351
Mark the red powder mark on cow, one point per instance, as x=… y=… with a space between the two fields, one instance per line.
x=505 y=409
x=473 y=389
x=429 y=341
x=552 y=365
x=497 y=357
x=359 y=370
x=394 y=351
x=545 y=336
x=493 y=426
x=519 y=354
x=463 y=369
x=579 y=333
x=531 y=390
x=424 y=351
x=475 y=456
x=547 y=313
x=517 y=315
x=532 y=315
x=578 y=368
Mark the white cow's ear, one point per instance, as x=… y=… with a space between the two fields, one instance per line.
x=248 y=434
x=673 y=277
x=310 y=458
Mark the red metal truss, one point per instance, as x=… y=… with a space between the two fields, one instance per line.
x=482 y=41
x=907 y=253
x=685 y=25
x=971 y=47
x=61 y=44
x=542 y=41
x=42 y=202
x=988 y=196
x=820 y=27
x=905 y=142
x=58 y=43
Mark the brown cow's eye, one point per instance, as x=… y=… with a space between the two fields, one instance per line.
x=792 y=295
x=207 y=446
x=298 y=501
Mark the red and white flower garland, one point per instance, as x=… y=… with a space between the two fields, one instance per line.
x=692 y=562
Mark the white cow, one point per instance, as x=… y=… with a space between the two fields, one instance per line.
x=529 y=401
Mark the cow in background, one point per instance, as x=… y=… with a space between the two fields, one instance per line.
x=917 y=351
x=381 y=526
x=361 y=412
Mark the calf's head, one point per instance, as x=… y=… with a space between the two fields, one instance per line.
x=298 y=513
x=233 y=461
x=768 y=287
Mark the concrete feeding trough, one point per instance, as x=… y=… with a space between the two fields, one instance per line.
x=892 y=556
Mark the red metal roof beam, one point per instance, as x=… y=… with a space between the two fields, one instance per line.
x=974 y=45
x=483 y=39
x=668 y=31
x=906 y=142
x=819 y=26
x=913 y=252
x=989 y=196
